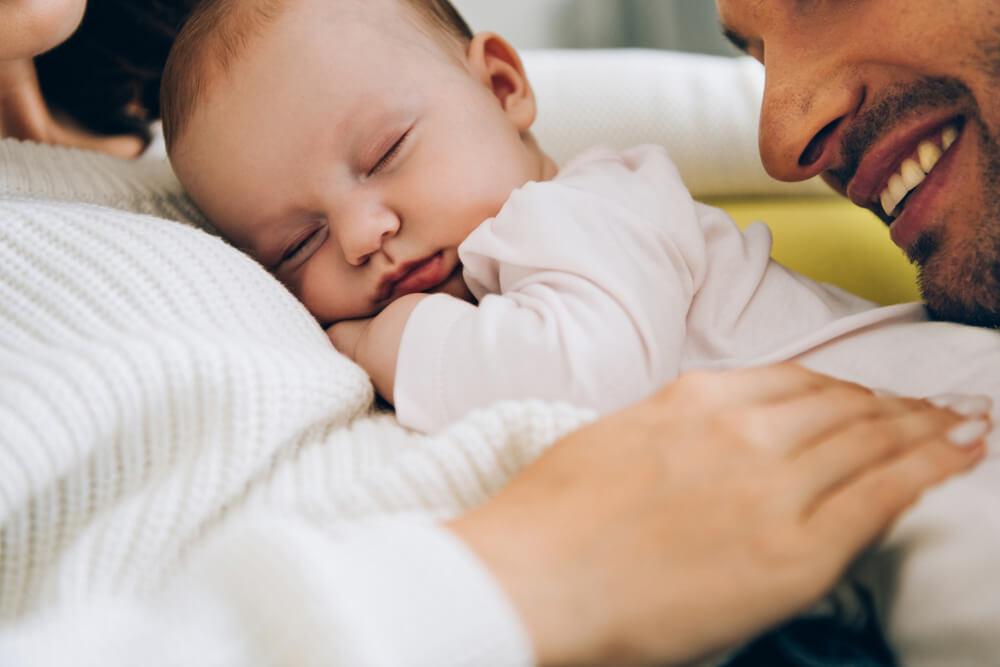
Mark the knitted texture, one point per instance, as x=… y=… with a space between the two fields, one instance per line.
x=146 y=185
x=156 y=385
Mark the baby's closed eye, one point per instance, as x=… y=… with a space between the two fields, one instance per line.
x=303 y=247
x=389 y=155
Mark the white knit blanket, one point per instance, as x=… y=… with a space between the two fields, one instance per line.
x=156 y=385
x=157 y=388
x=153 y=381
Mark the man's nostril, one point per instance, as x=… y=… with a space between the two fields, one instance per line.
x=814 y=151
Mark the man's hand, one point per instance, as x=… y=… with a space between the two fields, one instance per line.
x=373 y=343
x=710 y=512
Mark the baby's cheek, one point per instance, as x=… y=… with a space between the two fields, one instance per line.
x=455 y=286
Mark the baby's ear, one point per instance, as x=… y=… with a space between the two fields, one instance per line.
x=496 y=64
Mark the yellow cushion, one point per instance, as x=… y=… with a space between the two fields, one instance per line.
x=831 y=240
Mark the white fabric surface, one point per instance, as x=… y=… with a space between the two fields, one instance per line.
x=188 y=468
x=704 y=109
x=598 y=288
x=935 y=576
x=158 y=367
x=273 y=589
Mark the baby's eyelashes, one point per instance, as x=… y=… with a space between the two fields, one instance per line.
x=303 y=248
x=390 y=155
x=294 y=251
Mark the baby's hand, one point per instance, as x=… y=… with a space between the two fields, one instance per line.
x=373 y=343
x=346 y=335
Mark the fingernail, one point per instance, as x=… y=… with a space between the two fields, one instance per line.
x=967 y=406
x=969 y=433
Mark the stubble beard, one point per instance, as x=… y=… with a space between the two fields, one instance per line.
x=961 y=283
x=959 y=279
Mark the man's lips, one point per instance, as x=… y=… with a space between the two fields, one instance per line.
x=412 y=277
x=884 y=159
x=919 y=212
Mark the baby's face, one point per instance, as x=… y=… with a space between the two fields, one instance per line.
x=351 y=155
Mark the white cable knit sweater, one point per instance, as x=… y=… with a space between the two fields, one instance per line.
x=190 y=474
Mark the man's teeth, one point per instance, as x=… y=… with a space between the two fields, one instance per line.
x=913 y=174
x=895 y=192
x=929 y=155
x=949 y=136
x=913 y=171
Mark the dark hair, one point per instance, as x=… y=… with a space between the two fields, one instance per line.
x=106 y=76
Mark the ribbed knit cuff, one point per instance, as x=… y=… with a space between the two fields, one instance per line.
x=432 y=601
x=389 y=592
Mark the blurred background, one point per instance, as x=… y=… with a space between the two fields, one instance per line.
x=703 y=109
x=681 y=25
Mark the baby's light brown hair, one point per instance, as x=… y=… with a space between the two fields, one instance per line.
x=219 y=31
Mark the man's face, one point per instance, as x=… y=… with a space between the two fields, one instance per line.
x=351 y=155
x=897 y=104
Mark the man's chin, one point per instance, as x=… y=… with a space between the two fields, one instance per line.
x=982 y=310
x=975 y=317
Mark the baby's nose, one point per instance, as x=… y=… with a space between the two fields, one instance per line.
x=363 y=235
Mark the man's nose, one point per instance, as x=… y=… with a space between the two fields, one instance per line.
x=364 y=230
x=803 y=115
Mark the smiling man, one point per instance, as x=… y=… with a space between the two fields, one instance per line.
x=896 y=103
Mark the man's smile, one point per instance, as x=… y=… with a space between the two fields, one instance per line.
x=900 y=175
x=888 y=170
x=899 y=155
x=914 y=169
x=896 y=103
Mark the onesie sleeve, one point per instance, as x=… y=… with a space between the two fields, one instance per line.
x=584 y=284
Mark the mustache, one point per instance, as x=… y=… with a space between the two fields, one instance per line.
x=899 y=103
x=990 y=50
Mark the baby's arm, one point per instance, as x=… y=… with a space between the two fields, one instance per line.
x=373 y=343
x=584 y=287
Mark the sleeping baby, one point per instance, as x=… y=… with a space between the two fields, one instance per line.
x=377 y=158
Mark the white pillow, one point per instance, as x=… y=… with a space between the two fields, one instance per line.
x=704 y=109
